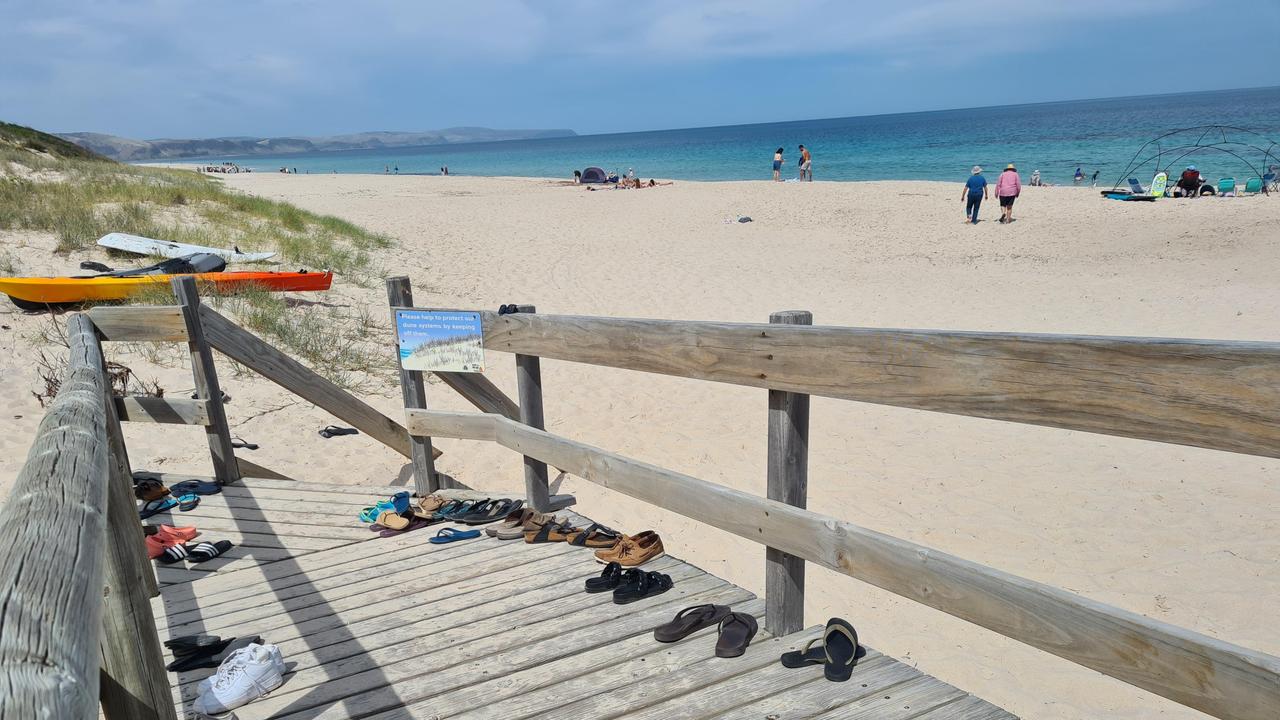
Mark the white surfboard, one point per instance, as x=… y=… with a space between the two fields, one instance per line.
x=163 y=248
x=1158 y=184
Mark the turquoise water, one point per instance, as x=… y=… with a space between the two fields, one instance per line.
x=1054 y=138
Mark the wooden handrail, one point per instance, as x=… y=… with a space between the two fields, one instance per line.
x=1211 y=675
x=1217 y=394
x=51 y=573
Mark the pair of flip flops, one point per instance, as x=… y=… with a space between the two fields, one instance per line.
x=185 y=503
x=195 y=487
x=449 y=535
x=733 y=635
x=203 y=651
x=838 y=653
x=335 y=431
x=195 y=552
x=398 y=503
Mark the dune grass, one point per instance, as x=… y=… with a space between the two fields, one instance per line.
x=78 y=197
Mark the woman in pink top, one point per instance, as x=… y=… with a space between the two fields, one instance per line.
x=1008 y=187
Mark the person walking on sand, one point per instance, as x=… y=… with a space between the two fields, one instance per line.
x=975 y=191
x=777 y=165
x=1008 y=187
x=806 y=164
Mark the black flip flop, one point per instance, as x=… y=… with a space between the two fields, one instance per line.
x=173 y=554
x=333 y=431
x=608 y=580
x=689 y=621
x=195 y=487
x=187 y=644
x=212 y=660
x=206 y=551
x=497 y=510
x=840 y=644
x=810 y=655
x=239 y=442
x=641 y=585
x=736 y=631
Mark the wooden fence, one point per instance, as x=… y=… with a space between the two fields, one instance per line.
x=1213 y=394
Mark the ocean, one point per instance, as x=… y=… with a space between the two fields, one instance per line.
x=1055 y=138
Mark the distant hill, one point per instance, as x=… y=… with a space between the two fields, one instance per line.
x=24 y=138
x=119 y=148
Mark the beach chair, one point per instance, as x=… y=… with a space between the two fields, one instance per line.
x=1226 y=186
x=1253 y=186
x=1136 y=186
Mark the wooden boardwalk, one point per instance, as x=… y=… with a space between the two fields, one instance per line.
x=401 y=628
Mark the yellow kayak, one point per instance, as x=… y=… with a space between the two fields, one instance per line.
x=37 y=292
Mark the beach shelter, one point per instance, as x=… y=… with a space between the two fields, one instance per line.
x=594 y=175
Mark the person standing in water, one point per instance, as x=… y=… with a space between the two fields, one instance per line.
x=975 y=191
x=777 y=165
x=1008 y=188
x=1078 y=177
x=806 y=164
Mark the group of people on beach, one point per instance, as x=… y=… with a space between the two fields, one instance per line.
x=1008 y=188
x=806 y=165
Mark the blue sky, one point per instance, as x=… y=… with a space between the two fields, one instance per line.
x=172 y=68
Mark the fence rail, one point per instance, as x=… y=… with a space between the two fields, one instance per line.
x=1216 y=677
x=1223 y=395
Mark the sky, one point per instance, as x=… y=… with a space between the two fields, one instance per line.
x=180 y=69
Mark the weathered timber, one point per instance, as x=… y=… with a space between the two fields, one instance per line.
x=529 y=388
x=51 y=573
x=176 y=411
x=135 y=685
x=1215 y=394
x=414 y=392
x=788 y=482
x=217 y=431
x=140 y=323
x=248 y=350
x=1214 y=676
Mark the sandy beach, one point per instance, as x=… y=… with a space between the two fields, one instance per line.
x=1184 y=535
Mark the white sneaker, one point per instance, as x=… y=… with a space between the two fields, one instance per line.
x=244 y=676
x=276 y=657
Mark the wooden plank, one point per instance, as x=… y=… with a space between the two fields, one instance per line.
x=529 y=384
x=315 y=690
x=414 y=392
x=543 y=689
x=788 y=482
x=899 y=702
x=330 y=568
x=1217 y=394
x=217 y=431
x=174 y=411
x=542 y=635
x=968 y=708
x=473 y=426
x=282 y=488
x=209 y=524
x=632 y=698
x=818 y=695
x=135 y=685
x=245 y=348
x=1210 y=675
x=51 y=573
x=140 y=323
x=447 y=584
x=271 y=540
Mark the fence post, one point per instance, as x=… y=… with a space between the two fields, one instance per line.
x=225 y=468
x=788 y=482
x=133 y=685
x=529 y=382
x=414 y=391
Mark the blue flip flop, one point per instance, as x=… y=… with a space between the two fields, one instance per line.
x=157 y=506
x=195 y=487
x=188 y=502
x=449 y=535
x=399 y=503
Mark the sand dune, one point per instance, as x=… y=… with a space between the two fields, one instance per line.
x=1184 y=535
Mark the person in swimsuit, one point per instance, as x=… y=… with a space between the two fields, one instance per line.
x=975 y=190
x=806 y=164
x=777 y=165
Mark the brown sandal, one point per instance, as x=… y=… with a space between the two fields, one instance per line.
x=549 y=532
x=595 y=536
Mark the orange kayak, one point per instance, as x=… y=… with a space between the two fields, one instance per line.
x=40 y=291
